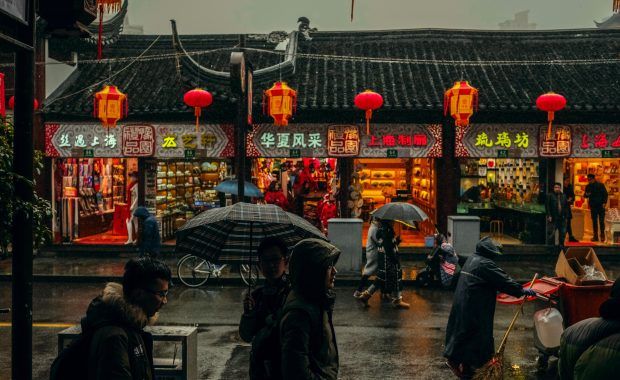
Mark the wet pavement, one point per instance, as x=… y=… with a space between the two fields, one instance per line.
x=378 y=342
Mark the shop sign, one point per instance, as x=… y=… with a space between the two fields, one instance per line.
x=343 y=140
x=138 y=140
x=591 y=140
x=89 y=153
x=295 y=153
x=615 y=153
x=179 y=141
x=402 y=140
x=558 y=145
x=268 y=140
x=496 y=140
x=67 y=140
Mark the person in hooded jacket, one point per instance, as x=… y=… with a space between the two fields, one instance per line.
x=120 y=349
x=469 y=335
x=307 y=337
x=590 y=349
x=150 y=240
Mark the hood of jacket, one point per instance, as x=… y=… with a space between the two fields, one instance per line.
x=488 y=248
x=308 y=265
x=142 y=212
x=111 y=308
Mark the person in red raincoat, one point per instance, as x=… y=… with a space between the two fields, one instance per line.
x=274 y=195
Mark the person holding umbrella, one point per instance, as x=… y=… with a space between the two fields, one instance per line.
x=469 y=335
x=389 y=272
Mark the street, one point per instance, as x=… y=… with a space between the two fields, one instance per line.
x=378 y=342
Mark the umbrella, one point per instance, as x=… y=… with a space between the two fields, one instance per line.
x=400 y=211
x=231 y=187
x=232 y=234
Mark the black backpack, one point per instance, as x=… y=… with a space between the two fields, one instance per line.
x=265 y=356
x=72 y=362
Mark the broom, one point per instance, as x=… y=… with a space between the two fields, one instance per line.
x=494 y=368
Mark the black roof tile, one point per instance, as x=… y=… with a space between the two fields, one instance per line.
x=331 y=83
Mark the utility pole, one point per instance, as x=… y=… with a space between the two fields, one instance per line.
x=241 y=85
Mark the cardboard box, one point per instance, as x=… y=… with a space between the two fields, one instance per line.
x=570 y=265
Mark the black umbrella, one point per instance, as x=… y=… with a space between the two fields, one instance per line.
x=400 y=211
x=232 y=234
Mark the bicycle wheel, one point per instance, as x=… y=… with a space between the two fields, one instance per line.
x=193 y=271
x=249 y=274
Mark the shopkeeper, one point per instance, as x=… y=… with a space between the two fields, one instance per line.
x=474 y=193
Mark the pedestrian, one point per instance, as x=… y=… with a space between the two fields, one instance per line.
x=150 y=240
x=370 y=268
x=307 y=337
x=558 y=209
x=597 y=199
x=569 y=192
x=469 y=335
x=474 y=193
x=274 y=195
x=120 y=348
x=389 y=272
x=444 y=262
x=265 y=301
x=590 y=349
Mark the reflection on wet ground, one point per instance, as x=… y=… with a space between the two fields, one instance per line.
x=378 y=342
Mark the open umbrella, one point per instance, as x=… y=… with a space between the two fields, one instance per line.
x=230 y=187
x=232 y=234
x=400 y=211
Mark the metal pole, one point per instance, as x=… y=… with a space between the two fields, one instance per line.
x=22 y=222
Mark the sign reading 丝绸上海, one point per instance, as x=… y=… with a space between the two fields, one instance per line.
x=487 y=140
x=138 y=140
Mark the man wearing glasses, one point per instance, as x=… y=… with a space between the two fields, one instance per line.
x=120 y=348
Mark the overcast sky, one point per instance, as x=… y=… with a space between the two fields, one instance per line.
x=263 y=16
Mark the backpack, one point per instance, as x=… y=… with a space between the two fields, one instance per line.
x=265 y=356
x=72 y=362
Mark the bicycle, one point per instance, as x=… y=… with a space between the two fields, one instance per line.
x=194 y=271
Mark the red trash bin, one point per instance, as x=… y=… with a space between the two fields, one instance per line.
x=582 y=302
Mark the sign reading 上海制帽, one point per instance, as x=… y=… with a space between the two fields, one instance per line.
x=320 y=140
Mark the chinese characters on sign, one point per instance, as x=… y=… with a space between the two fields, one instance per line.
x=559 y=145
x=138 y=141
x=343 y=141
x=416 y=140
x=599 y=141
x=291 y=140
x=503 y=140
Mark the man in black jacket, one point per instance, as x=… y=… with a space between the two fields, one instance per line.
x=120 y=348
x=597 y=199
x=569 y=192
x=307 y=336
x=558 y=210
x=469 y=335
x=150 y=240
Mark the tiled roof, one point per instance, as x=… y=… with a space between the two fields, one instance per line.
x=323 y=83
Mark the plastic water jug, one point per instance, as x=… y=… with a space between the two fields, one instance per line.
x=548 y=323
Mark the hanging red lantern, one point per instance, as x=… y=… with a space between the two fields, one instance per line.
x=198 y=98
x=2 y=106
x=108 y=6
x=461 y=100
x=280 y=102
x=550 y=102
x=368 y=101
x=12 y=103
x=110 y=106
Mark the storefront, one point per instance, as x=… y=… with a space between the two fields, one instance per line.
x=591 y=149
x=396 y=162
x=503 y=181
x=98 y=176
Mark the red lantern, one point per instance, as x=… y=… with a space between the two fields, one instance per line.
x=368 y=101
x=280 y=102
x=110 y=106
x=462 y=101
x=198 y=98
x=550 y=102
x=12 y=103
